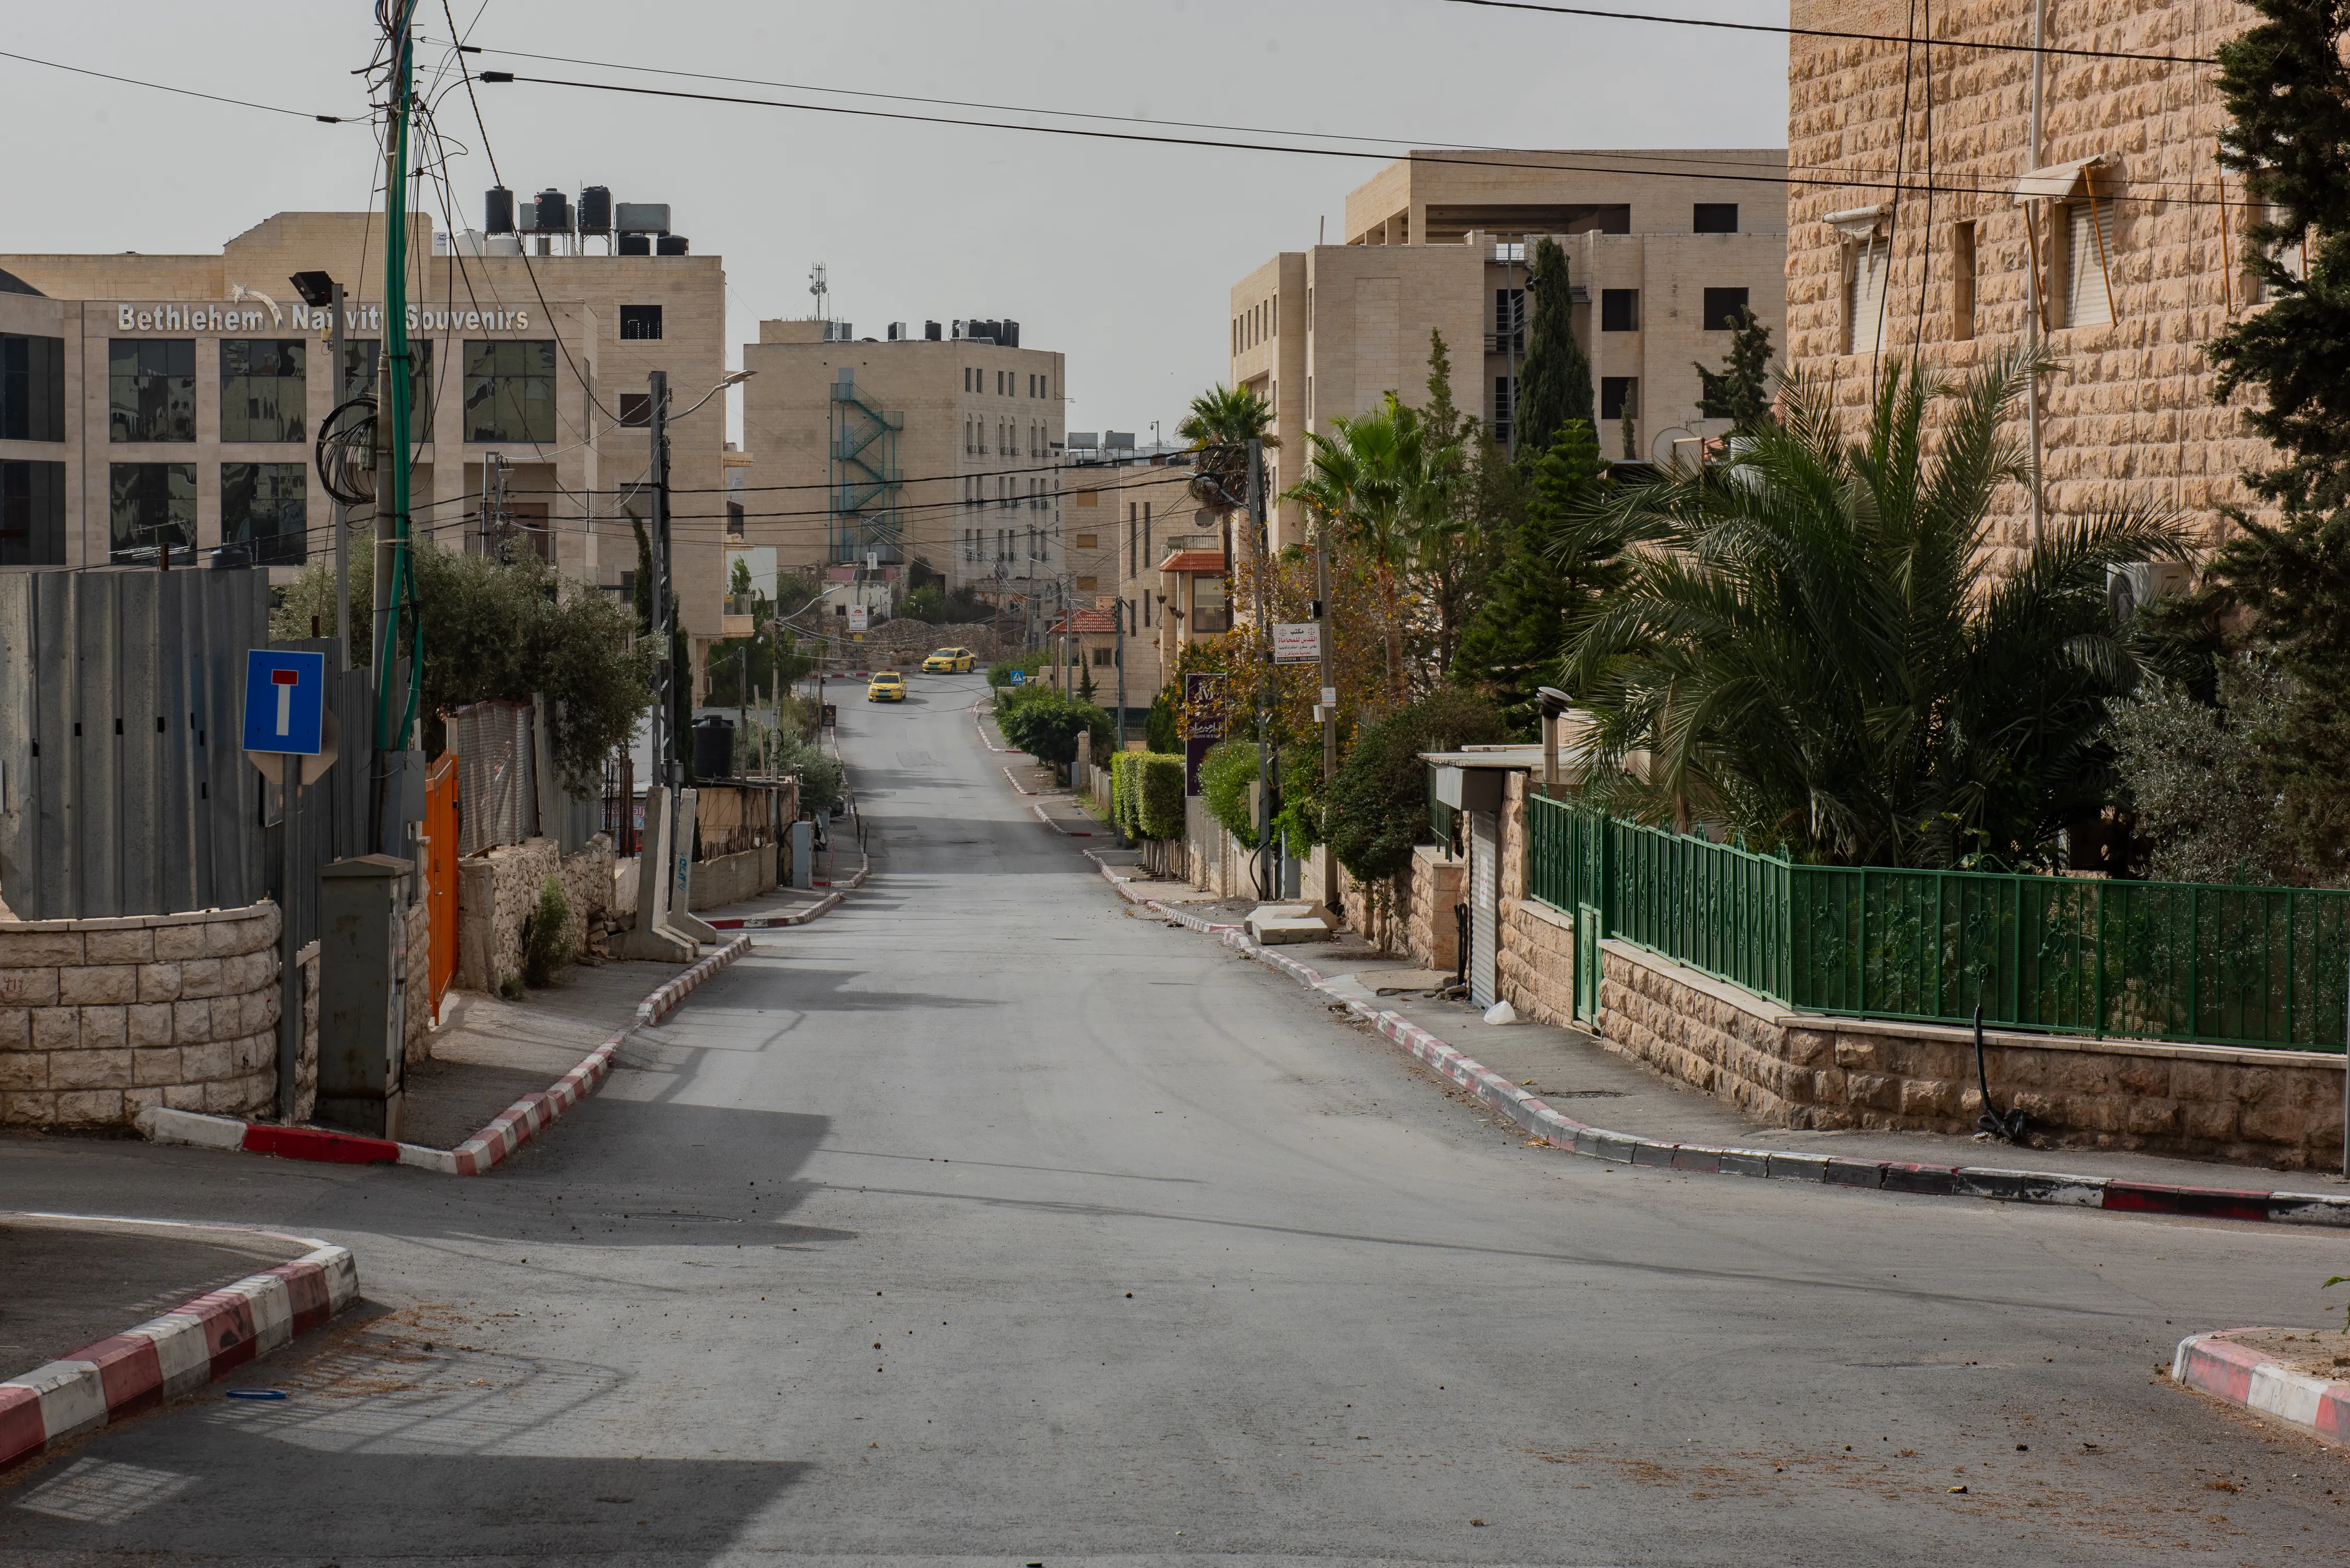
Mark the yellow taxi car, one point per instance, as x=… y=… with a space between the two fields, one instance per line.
x=949 y=661
x=886 y=686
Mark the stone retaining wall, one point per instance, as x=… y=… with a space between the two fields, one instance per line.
x=730 y=878
x=100 y=1019
x=2280 y=1108
x=497 y=891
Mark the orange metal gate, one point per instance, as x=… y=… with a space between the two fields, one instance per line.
x=440 y=872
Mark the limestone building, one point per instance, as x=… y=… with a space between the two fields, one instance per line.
x=938 y=447
x=148 y=398
x=2080 y=190
x=1663 y=249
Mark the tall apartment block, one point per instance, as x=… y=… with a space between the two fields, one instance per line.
x=938 y=446
x=2070 y=200
x=1664 y=249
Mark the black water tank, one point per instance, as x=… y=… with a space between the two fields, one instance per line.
x=595 y=209
x=713 y=747
x=636 y=244
x=554 y=210
x=1009 y=336
x=670 y=246
x=930 y=333
x=498 y=211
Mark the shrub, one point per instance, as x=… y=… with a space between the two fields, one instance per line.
x=1227 y=774
x=1378 y=802
x=1147 y=794
x=1160 y=731
x=1046 y=725
x=820 y=773
x=999 y=674
x=546 y=944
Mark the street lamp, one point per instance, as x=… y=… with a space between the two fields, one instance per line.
x=1553 y=703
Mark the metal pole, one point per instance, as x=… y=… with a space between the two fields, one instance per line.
x=1327 y=678
x=665 y=602
x=1268 y=883
x=290 y=1028
x=342 y=513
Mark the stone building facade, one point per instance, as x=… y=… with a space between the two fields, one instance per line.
x=2130 y=241
x=1660 y=246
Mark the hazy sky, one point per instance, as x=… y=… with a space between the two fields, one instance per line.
x=1119 y=255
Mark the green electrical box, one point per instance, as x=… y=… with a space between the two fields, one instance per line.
x=362 y=993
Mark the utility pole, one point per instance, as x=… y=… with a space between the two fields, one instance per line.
x=1268 y=882
x=665 y=618
x=392 y=566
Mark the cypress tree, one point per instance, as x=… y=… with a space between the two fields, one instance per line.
x=1555 y=385
x=1740 y=391
x=1513 y=643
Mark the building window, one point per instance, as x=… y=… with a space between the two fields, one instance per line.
x=1087 y=542
x=735 y=520
x=2088 y=247
x=33 y=512
x=1104 y=656
x=265 y=506
x=32 y=387
x=1620 y=310
x=1089 y=585
x=1146 y=553
x=1962 y=281
x=359 y=370
x=152 y=388
x=510 y=391
x=639 y=322
x=1085 y=498
x=966 y=377
x=1723 y=307
x=636 y=410
x=1864 y=296
x=262 y=396
x=1505 y=407
x=151 y=502
x=1619 y=396
x=1715 y=218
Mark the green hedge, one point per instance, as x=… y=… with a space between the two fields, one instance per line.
x=1147 y=794
x=1042 y=723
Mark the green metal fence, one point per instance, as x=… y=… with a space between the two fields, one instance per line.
x=2242 y=966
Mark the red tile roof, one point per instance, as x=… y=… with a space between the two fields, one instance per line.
x=1193 y=561
x=1089 y=622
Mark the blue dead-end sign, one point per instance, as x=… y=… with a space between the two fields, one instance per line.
x=285 y=701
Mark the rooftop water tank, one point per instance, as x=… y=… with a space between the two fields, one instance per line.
x=642 y=217
x=554 y=211
x=498 y=211
x=636 y=244
x=595 y=209
x=669 y=245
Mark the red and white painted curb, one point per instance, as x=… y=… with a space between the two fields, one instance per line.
x=2215 y=1364
x=175 y=1354
x=1561 y=1131
x=657 y=1006
x=1063 y=831
x=1016 y=783
x=1182 y=916
x=981 y=728
x=508 y=1130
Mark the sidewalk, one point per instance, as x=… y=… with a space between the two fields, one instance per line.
x=1569 y=1069
x=494 y=1051
x=67 y=1282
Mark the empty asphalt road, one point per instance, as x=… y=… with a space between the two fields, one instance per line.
x=981 y=1221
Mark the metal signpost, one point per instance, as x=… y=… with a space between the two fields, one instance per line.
x=290 y=737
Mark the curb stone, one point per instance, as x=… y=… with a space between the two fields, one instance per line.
x=822 y=905
x=506 y=1132
x=2215 y=1364
x=164 y=1358
x=1063 y=831
x=1561 y=1131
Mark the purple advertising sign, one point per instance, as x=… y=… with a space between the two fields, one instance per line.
x=1203 y=708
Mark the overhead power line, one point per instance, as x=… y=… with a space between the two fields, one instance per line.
x=1836 y=33
x=1832 y=177
x=184 y=93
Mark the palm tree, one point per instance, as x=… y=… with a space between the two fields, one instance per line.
x=1221 y=423
x=1813 y=647
x=1388 y=492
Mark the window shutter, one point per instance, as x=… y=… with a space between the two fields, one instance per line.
x=2086 y=250
x=1864 y=300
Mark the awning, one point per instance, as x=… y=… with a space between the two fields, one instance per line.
x=2058 y=182
x=1860 y=223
